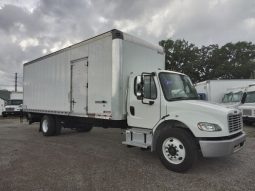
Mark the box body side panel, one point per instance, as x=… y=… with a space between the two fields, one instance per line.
x=137 y=59
x=100 y=77
x=47 y=83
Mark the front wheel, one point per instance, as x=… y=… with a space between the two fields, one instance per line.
x=176 y=149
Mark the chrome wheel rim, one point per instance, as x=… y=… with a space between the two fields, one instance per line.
x=45 y=126
x=173 y=150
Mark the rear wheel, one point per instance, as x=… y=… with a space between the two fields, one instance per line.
x=176 y=149
x=48 y=125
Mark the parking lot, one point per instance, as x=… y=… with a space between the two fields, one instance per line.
x=98 y=161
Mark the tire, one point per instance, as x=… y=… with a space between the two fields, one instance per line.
x=176 y=149
x=48 y=125
x=84 y=128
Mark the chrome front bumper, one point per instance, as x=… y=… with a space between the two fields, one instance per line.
x=219 y=148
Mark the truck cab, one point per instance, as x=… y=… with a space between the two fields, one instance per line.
x=12 y=107
x=248 y=105
x=164 y=113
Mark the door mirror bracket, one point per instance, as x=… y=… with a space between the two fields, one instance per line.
x=243 y=97
x=146 y=89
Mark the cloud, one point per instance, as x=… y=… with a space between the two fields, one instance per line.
x=32 y=28
x=29 y=42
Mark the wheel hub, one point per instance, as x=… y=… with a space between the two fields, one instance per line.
x=173 y=150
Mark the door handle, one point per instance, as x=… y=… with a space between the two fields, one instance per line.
x=132 y=110
x=149 y=102
x=103 y=101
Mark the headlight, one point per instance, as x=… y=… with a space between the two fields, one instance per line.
x=204 y=126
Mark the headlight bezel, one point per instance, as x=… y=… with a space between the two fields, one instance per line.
x=209 y=127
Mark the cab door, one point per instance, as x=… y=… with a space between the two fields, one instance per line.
x=144 y=109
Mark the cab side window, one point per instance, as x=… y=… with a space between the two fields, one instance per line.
x=150 y=89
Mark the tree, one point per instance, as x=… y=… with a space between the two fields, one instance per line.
x=181 y=56
x=231 y=61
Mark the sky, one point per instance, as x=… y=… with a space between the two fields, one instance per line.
x=32 y=28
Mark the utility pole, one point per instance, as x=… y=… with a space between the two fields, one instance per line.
x=16 y=79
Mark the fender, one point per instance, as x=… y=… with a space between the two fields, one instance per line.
x=163 y=124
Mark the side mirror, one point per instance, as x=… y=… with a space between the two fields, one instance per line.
x=243 y=97
x=138 y=87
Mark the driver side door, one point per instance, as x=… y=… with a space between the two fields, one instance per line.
x=144 y=110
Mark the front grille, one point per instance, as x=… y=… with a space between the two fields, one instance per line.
x=247 y=112
x=9 y=109
x=234 y=123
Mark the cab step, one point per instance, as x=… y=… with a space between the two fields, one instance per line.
x=138 y=137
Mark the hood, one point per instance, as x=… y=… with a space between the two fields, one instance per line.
x=248 y=104
x=203 y=106
x=230 y=105
x=191 y=112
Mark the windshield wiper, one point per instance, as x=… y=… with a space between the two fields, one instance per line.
x=183 y=98
x=178 y=98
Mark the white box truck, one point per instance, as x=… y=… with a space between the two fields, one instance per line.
x=116 y=80
x=214 y=90
x=13 y=105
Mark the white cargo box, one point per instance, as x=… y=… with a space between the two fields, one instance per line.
x=214 y=90
x=16 y=96
x=89 y=79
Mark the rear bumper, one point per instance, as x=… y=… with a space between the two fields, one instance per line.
x=220 y=148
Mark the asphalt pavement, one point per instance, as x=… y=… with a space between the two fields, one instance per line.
x=98 y=161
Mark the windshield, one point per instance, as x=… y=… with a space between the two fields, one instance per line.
x=14 y=102
x=227 y=98
x=177 y=87
x=232 y=97
x=250 y=98
x=237 y=96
